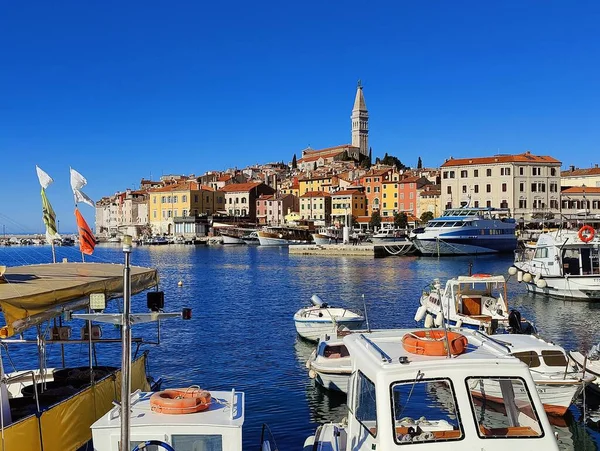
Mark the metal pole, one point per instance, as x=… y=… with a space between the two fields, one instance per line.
x=126 y=349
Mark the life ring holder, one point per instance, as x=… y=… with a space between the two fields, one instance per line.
x=433 y=342
x=178 y=401
x=586 y=233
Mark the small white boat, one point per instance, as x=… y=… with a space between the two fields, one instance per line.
x=558 y=381
x=251 y=239
x=590 y=365
x=389 y=235
x=562 y=264
x=478 y=301
x=394 y=402
x=312 y=322
x=329 y=364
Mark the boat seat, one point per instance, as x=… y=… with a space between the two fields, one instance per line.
x=471 y=305
x=513 y=431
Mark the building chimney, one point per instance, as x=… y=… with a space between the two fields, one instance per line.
x=572 y=168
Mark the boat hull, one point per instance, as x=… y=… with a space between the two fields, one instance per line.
x=582 y=288
x=312 y=329
x=336 y=381
x=229 y=239
x=463 y=246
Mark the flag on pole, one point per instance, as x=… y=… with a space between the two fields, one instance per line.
x=48 y=214
x=78 y=181
x=87 y=241
x=45 y=179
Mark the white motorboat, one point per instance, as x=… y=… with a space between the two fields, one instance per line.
x=328 y=235
x=312 y=322
x=393 y=402
x=389 y=235
x=564 y=264
x=467 y=231
x=177 y=419
x=329 y=364
x=251 y=238
x=478 y=301
x=558 y=381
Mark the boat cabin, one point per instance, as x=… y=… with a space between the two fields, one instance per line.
x=217 y=428
x=474 y=400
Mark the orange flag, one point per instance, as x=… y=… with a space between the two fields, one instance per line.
x=87 y=241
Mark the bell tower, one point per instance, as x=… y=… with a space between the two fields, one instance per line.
x=360 y=122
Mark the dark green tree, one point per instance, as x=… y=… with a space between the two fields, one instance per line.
x=390 y=160
x=294 y=162
x=375 y=221
x=426 y=216
x=400 y=220
x=315 y=166
x=419 y=164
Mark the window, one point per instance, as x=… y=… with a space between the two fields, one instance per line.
x=476 y=173
x=174 y=199
x=552 y=172
x=368 y=189
x=476 y=204
x=195 y=198
x=529 y=358
x=488 y=172
x=449 y=190
x=153 y=199
x=402 y=195
x=504 y=187
x=439 y=409
x=541 y=252
x=533 y=187
x=555 y=358
x=464 y=189
x=163 y=199
x=476 y=188
x=504 y=171
x=365 y=405
x=488 y=188
x=504 y=203
x=412 y=195
x=154 y=214
x=488 y=204
x=184 y=213
x=451 y=174
x=521 y=171
x=184 y=198
x=515 y=415
x=553 y=187
x=554 y=204
x=445 y=174
x=464 y=174
x=384 y=195
x=521 y=187
x=213 y=442
x=395 y=195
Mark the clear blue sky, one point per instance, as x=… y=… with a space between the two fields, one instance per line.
x=128 y=90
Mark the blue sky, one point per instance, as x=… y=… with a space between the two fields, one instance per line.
x=128 y=90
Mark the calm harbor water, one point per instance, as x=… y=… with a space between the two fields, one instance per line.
x=242 y=334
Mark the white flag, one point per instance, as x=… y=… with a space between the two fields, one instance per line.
x=80 y=196
x=45 y=179
x=78 y=181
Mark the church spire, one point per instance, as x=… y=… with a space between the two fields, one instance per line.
x=360 y=122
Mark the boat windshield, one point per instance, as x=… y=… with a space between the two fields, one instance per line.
x=503 y=408
x=425 y=411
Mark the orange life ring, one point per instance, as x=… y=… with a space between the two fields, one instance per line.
x=586 y=238
x=481 y=275
x=433 y=342
x=179 y=401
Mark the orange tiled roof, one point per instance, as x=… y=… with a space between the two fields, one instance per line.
x=327 y=149
x=582 y=190
x=240 y=187
x=526 y=157
x=225 y=178
x=316 y=194
x=580 y=172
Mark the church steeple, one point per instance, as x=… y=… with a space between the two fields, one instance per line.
x=360 y=122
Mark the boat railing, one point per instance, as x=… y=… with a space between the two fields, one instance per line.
x=493 y=340
x=384 y=356
x=19 y=378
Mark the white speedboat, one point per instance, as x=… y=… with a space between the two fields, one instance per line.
x=328 y=235
x=177 y=419
x=251 y=238
x=478 y=301
x=312 y=322
x=329 y=364
x=558 y=381
x=389 y=235
x=467 y=231
x=392 y=401
x=564 y=264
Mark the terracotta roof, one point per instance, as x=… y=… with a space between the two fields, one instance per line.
x=580 y=172
x=413 y=179
x=240 y=187
x=526 y=157
x=183 y=186
x=582 y=190
x=314 y=177
x=346 y=192
x=341 y=148
x=316 y=194
x=319 y=156
x=225 y=178
x=266 y=197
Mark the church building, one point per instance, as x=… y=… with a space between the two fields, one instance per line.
x=358 y=149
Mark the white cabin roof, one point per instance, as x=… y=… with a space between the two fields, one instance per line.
x=480 y=279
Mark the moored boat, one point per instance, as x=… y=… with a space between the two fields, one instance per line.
x=389 y=235
x=283 y=236
x=564 y=264
x=312 y=322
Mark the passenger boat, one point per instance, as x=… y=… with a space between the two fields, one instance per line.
x=403 y=394
x=389 y=235
x=467 y=231
x=564 y=264
x=51 y=408
x=312 y=322
x=477 y=301
x=283 y=236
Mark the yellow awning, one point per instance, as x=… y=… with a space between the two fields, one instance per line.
x=26 y=291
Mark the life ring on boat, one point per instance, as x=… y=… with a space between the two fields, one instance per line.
x=481 y=275
x=586 y=233
x=433 y=342
x=144 y=445
x=179 y=401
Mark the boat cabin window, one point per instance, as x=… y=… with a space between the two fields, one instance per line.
x=333 y=352
x=529 y=358
x=189 y=442
x=425 y=411
x=555 y=358
x=365 y=405
x=502 y=408
x=541 y=252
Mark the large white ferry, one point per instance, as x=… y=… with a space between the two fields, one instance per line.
x=465 y=231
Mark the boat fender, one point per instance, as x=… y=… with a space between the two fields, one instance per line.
x=541 y=283
x=439 y=318
x=316 y=300
x=512 y=271
x=420 y=313
x=527 y=277
x=520 y=276
x=459 y=323
x=428 y=321
x=312 y=374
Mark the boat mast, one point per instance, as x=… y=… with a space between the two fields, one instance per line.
x=126 y=346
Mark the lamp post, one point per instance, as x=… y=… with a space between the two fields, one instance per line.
x=126 y=346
